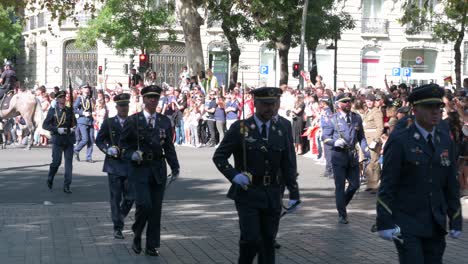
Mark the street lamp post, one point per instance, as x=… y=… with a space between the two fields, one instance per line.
x=334 y=46
x=301 y=53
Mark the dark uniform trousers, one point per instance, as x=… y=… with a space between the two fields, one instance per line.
x=61 y=144
x=85 y=125
x=258 y=207
x=149 y=176
x=345 y=161
x=419 y=192
x=121 y=195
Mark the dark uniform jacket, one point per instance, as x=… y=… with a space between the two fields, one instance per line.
x=80 y=106
x=108 y=136
x=336 y=128
x=56 y=118
x=157 y=147
x=292 y=186
x=419 y=188
x=268 y=162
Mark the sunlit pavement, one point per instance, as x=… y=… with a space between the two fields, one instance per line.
x=199 y=222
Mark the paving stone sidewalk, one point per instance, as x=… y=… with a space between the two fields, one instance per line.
x=198 y=231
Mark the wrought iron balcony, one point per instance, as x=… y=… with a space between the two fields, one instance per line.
x=374 y=26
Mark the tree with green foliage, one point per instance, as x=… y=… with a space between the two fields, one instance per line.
x=447 y=19
x=10 y=35
x=279 y=23
x=123 y=26
x=324 y=23
x=235 y=24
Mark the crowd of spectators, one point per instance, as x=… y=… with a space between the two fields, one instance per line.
x=201 y=111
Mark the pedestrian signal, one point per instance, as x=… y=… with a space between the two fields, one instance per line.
x=296 y=70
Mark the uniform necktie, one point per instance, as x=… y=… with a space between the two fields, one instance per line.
x=264 y=132
x=121 y=122
x=151 y=122
x=429 y=141
x=348 y=119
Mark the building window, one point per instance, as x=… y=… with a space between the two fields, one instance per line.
x=267 y=66
x=372 y=8
x=371 y=67
x=325 y=63
x=419 y=59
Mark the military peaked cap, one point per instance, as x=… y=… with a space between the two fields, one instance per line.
x=371 y=97
x=343 y=97
x=267 y=94
x=427 y=94
x=151 y=90
x=60 y=94
x=122 y=99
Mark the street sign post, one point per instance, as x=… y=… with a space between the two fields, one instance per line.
x=406 y=72
x=396 y=72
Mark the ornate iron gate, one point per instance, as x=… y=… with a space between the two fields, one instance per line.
x=168 y=62
x=82 y=65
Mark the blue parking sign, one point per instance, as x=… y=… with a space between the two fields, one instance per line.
x=396 y=71
x=407 y=72
x=263 y=69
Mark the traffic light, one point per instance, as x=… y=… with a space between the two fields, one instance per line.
x=100 y=70
x=143 y=63
x=143 y=60
x=296 y=70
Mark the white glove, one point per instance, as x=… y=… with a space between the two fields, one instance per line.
x=62 y=130
x=136 y=156
x=372 y=145
x=340 y=143
x=86 y=114
x=72 y=130
x=387 y=234
x=291 y=203
x=113 y=152
x=455 y=233
x=241 y=179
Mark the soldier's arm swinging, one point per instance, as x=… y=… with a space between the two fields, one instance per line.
x=103 y=137
x=226 y=148
x=392 y=167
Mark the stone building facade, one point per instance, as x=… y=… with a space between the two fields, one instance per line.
x=376 y=47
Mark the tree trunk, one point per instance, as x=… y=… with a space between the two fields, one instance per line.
x=313 y=70
x=234 y=54
x=283 y=52
x=191 y=21
x=456 y=48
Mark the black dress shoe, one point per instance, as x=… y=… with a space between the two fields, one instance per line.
x=152 y=252
x=90 y=160
x=343 y=220
x=49 y=184
x=118 y=234
x=67 y=189
x=77 y=156
x=136 y=246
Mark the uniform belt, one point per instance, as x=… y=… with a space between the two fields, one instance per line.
x=265 y=180
x=151 y=156
x=344 y=149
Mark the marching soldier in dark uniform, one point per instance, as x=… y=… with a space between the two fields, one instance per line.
x=419 y=188
x=146 y=140
x=60 y=121
x=293 y=187
x=262 y=165
x=342 y=132
x=83 y=107
x=108 y=141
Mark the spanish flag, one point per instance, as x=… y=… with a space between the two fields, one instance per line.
x=448 y=79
